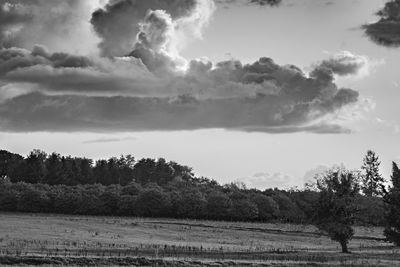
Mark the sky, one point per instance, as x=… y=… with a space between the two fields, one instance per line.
x=301 y=86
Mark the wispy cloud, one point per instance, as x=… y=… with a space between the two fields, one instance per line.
x=265 y=180
x=109 y=140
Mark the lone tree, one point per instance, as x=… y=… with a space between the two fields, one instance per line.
x=335 y=209
x=392 y=200
x=372 y=180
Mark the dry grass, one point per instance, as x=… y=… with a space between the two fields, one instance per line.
x=85 y=236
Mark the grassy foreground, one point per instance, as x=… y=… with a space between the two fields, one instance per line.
x=36 y=239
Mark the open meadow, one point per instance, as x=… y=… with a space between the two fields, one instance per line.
x=36 y=239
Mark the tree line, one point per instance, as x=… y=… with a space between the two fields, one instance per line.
x=124 y=186
x=54 y=169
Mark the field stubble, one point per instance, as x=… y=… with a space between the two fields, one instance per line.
x=34 y=239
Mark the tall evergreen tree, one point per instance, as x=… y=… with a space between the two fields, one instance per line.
x=372 y=180
x=392 y=200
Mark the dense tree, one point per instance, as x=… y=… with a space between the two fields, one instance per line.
x=304 y=200
x=371 y=211
x=35 y=171
x=144 y=171
x=148 y=187
x=175 y=198
x=132 y=189
x=54 y=169
x=192 y=204
x=11 y=166
x=125 y=169
x=392 y=200
x=86 y=171
x=372 y=180
x=268 y=209
x=153 y=202
x=66 y=199
x=8 y=197
x=90 y=198
x=127 y=205
x=335 y=210
x=54 y=174
x=243 y=210
x=110 y=200
x=102 y=172
x=33 y=200
x=218 y=205
x=160 y=171
x=288 y=209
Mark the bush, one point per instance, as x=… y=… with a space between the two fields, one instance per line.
x=191 y=205
x=244 y=210
x=34 y=200
x=153 y=202
x=288 y=210
x=9 y=200
x=127 y=205
x=268 y=209
x=218 y=206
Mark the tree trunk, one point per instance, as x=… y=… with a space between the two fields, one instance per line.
x=343 y=243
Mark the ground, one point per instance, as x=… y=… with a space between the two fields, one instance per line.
x=41 y=239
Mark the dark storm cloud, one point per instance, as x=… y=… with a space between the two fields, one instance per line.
x=117 y=24
x=152 y=87
x=38 y=112
x=386 y=31
x=262 y=96
x=63 y=72
x=17 y=58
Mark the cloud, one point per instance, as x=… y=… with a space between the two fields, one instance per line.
x=252 y=2
x=102 y=95
x=160 y=37
x=26 y=23
x=264 y=180
x=344 y=64
x=310 y=175
x=38 y=112
x=318 y=128
x=155 y=44
x=118 y=23
x=386 y=31
x=266 y=2
x=62 y=72
x=153 y=87
x=109 y=140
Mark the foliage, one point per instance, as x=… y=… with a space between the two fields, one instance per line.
x=392 y=200
x=335 y=209
x=54 y=169
x=267 y=208
x=372 y=180
x=288 y=209
x=153 y=202
x=218 y=205
x=149 y=187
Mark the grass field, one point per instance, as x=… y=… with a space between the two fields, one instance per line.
x=37 y=239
